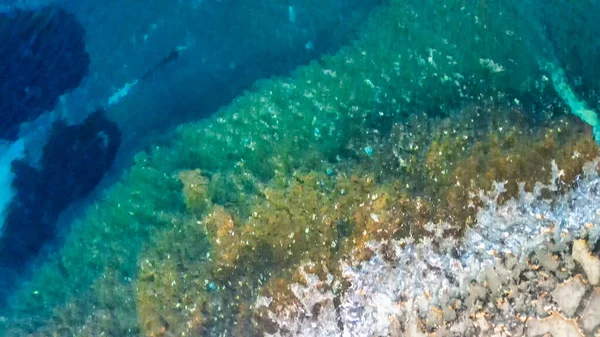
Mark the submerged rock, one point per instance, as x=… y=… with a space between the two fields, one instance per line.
x=73 y=163
x=42 y=56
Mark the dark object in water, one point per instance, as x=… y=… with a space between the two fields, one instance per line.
x=42 y=56
x=73 y=163
x=173 y=55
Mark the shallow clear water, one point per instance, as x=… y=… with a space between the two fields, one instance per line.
x=310 y=168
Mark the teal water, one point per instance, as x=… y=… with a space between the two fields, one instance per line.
x=258 y=137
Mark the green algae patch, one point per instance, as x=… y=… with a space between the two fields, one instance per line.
x=195 y=190
x=324 y=217
x=104 y=242
x=398 y=129
x=315 y=217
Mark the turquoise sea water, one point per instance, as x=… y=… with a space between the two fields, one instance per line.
x=261 y=137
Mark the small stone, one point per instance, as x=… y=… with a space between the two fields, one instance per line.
x=412 y=329
x=517 y=331
x=434 y=318
x=462 y=328
x=541 y=304
x=549 y=284
x=395 y=327
x=449 y=314
x=505 y=307
x=555 y=326
x=494 y=282
x=590 y=319
x=589 y=262
x=441 y=332
x=520 y=303
x=475 y=292
x=568 y=295
x=562 y=275
x=546 y=260
x=482 y=324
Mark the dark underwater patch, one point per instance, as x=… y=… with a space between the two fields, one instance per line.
x=73 y=163
x=42 y=56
